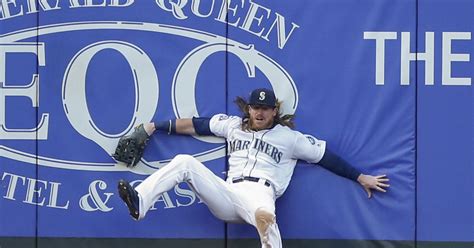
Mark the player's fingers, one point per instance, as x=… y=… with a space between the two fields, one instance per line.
x=380 y=189
x=381 y=176
x=383 y=185
x=383 y=179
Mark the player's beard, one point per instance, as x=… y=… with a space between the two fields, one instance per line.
x=267 y=125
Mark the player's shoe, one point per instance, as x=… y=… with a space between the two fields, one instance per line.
x=130 y=196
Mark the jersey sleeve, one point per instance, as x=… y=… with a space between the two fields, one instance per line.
x=222 y=124
x=308 y=148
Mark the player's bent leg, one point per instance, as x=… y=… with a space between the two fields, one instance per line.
x=185 y=168
x=265 y=220
x=211 y=189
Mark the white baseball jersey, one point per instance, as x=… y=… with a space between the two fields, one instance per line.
x=270 y=154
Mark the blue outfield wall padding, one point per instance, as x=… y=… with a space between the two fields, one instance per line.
x=345 y=68
x=107 y=69
x=18 y=121
x=445 y=124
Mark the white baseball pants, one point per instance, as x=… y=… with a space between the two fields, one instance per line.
x=230 y=202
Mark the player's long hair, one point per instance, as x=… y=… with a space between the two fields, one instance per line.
x=284 y=120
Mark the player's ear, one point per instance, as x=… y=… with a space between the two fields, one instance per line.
x=275 y=111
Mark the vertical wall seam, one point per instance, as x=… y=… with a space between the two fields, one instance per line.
x=226 y=78
x=36 y=131
x=416 y=122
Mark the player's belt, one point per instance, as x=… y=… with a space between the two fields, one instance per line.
x=252 y=179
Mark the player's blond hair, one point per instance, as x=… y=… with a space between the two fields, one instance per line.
x=284 y=120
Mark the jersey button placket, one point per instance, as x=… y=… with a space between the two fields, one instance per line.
x=254 y=153
x=251 y=157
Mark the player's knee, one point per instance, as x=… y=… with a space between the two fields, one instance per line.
x=183 y=157
x=264 y=215
x=184 y=160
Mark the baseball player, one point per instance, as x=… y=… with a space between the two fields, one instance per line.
x=263 y=151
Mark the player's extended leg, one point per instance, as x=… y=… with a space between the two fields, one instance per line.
x=267 y=228
x=211 y=189
x=257 y=207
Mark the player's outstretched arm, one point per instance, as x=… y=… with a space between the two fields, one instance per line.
x=339 y=166
x=369 y=182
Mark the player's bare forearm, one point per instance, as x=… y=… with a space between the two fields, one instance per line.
x=185 y=126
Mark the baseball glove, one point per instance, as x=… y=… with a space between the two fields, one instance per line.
x=130 y=148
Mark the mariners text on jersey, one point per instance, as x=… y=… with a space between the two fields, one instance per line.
x=259 y=145
x=268 y=149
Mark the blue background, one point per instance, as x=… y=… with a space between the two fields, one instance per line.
x=420 y=136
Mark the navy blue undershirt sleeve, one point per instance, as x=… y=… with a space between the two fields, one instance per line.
x=338 y=166
x=168 y=126
x=202 y=125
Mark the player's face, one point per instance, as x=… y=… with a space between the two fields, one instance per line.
x=261 y=117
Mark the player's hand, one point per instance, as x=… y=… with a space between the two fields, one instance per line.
x=370 y=182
